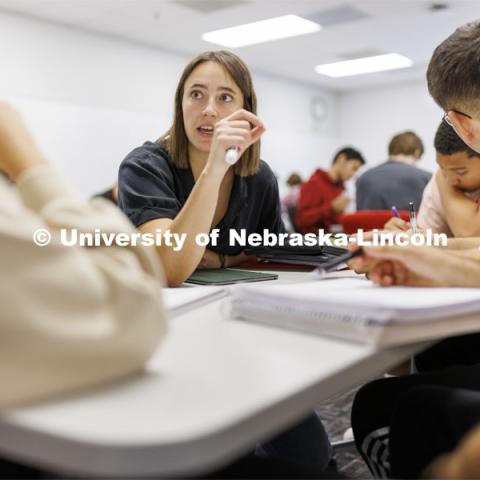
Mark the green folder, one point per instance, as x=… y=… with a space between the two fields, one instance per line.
x=228 y=276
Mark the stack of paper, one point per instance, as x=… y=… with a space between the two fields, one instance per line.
x=358 y=310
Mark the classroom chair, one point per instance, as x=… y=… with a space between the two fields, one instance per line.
x=368 y=220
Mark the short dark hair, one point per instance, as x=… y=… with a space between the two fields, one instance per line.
x=447 y=142
x=454 y=69
x=294 y=179
x=405 y=143
x=350 y=153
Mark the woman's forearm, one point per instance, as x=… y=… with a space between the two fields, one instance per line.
x=195 y=217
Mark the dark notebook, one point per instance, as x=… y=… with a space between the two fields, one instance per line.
x=228 y=276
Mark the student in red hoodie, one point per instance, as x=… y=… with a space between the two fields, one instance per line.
x=321 y=198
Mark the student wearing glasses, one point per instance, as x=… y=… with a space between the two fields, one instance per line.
x=429 y=424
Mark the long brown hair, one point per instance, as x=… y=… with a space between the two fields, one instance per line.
x=175 y=139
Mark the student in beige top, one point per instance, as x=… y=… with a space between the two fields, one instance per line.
x=72 y=317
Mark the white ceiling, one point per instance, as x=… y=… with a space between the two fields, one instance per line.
x=351 y=28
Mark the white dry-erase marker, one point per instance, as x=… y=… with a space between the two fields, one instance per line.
x=231 y=157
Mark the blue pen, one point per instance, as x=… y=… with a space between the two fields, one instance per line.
x=396 y=214
x=413 y=218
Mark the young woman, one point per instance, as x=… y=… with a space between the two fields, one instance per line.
x=182 y=182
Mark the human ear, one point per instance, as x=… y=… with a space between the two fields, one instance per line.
x=466 y=128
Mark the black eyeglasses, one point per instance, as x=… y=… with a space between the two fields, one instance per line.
x=447 y=119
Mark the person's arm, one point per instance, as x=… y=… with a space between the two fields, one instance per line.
x=431 y=214
x=462 y=213
x=462 y=463
x=197 y=214
x=419 y=266
x=462 y=243
x=72 y=317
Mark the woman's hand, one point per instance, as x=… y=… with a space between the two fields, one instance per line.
x=233 y=131
x=211 y=259
x=234 y=260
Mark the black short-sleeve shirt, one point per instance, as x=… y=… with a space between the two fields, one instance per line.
x=151 y=187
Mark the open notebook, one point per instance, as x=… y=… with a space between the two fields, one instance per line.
x=356 y=309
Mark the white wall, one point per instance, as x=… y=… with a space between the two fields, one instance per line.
x=90 y=99
x=370 y=117
x=294 y=141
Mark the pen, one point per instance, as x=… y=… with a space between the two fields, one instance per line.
x=396 y=214
x=413 y=218
x=335 y=262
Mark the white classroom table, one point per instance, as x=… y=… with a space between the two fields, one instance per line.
x=215 y=387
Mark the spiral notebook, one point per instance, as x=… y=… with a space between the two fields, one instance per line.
x=357 y=310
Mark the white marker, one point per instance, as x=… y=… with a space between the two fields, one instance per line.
x=231 y=157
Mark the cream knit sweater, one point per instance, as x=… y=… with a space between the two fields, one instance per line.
x=70 y=317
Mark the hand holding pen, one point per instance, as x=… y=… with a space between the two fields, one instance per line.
x=231 y=157
x=396 y=223
x=232 y=136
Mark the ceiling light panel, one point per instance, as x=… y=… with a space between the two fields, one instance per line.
x=262 y=31
x=361 y=66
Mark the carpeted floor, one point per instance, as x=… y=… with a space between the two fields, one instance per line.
x=335 y=414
